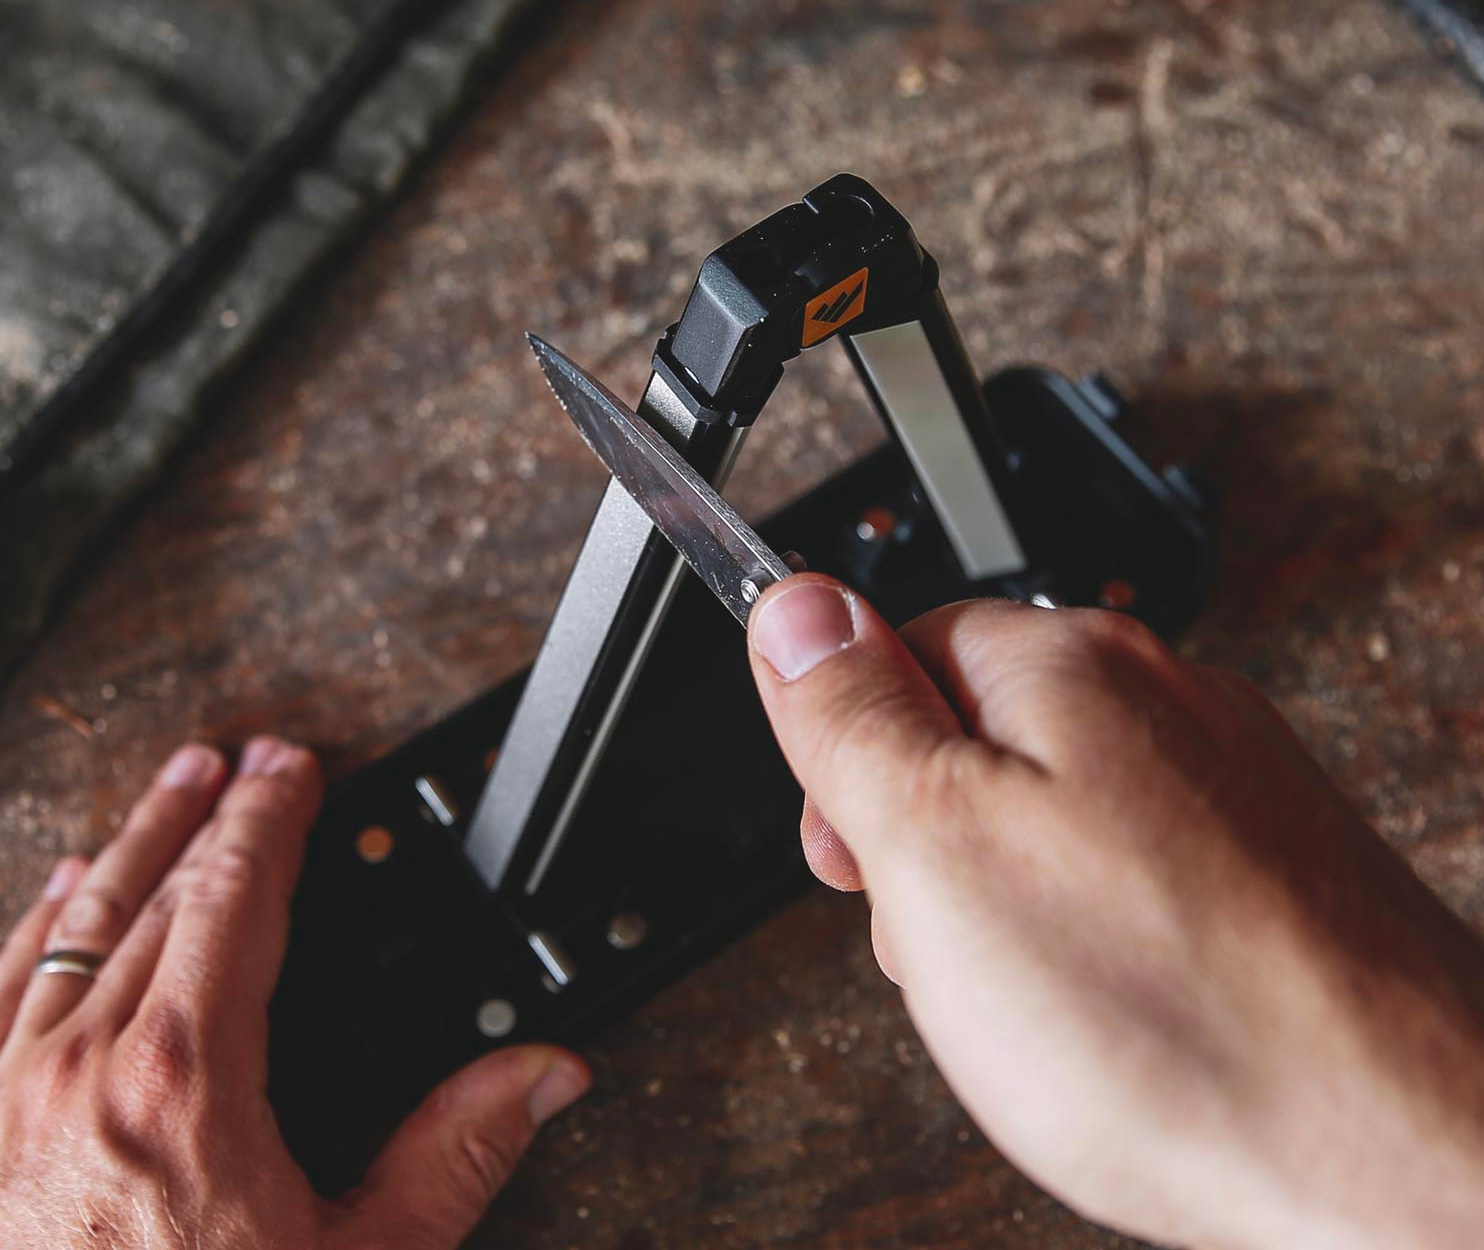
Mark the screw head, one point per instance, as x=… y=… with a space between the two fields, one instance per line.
x=626 y=931
x=495 y=1018
x=750 y=591
x=375 y=844
x=876 y=525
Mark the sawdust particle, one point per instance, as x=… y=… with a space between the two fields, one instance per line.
x=55 y=709
x=911 y=81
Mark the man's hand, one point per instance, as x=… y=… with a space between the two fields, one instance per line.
x=132 y=1107
x=1154 y=951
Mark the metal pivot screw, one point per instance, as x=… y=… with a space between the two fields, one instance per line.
x=876 y=525
x=375 y=844
x=495 y=1018
x=626 y=931
x=750 y=591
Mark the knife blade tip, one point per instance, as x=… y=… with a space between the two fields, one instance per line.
x=553 y=360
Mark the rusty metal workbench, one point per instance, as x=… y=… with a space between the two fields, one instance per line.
x=1265 y=218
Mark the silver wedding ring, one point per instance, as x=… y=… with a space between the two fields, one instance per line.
x=70 y=963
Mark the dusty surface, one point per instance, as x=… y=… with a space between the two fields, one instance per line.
x=1262 y=216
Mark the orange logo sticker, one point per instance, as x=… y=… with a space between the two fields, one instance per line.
x=840 y=305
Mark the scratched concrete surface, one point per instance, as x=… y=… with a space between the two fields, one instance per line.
x=1263 y=217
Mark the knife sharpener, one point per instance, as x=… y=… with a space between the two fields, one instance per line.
x=544 y=859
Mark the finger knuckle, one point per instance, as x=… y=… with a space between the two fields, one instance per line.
x=487 y=1160
x=259 y=801
x=1117 y=634
x=160 y=1059
x=91 y=916
x=970 y=614
x=945 y=788
x=1118 y=649
x=66 y=1058
x=227 y=874
x=159 y=906
x=864 y=721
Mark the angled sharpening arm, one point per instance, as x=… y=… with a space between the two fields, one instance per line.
x=842 y=263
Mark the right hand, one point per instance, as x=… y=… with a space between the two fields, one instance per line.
x=1158 y=956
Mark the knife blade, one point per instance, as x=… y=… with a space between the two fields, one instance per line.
x=726 y=552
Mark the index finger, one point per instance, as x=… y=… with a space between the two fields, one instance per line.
x=1033 y=681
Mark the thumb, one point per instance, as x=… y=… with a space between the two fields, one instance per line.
x=442 y=1169
x=859 y=721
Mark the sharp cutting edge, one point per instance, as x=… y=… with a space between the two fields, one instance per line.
x=715 y=541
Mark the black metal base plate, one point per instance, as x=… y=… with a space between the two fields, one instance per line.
x=692 y=822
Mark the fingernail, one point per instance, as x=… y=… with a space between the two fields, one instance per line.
x=802 y=626
x=64 y=878
x=266 y=757
x=191 y=767
x=563 y=1083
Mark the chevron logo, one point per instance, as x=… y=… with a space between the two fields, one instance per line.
x=831 y=315
x=840 y=305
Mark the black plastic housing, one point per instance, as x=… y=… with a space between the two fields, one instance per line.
x=744 y=318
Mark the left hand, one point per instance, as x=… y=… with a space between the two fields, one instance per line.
x=132 y=1106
